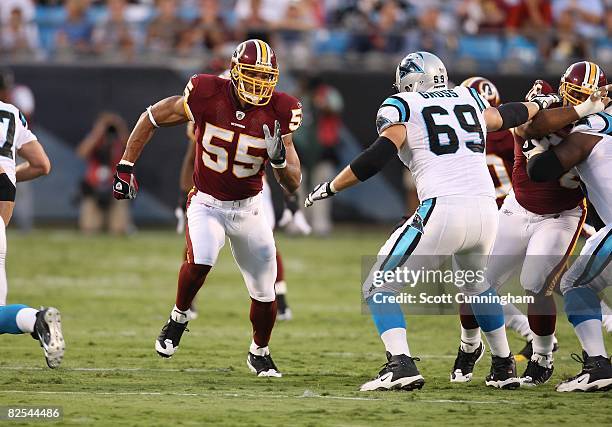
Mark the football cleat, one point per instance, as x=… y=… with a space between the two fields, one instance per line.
x=283 y=310
x=503 y=373
x=167 y=342
x=48 y=331
x=284 y=315
x=399 y=373
x=464 y=364
x=527 y=351
x=263 y=366
x=596 y=375
x=539 y=370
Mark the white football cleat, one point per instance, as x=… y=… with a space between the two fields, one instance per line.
x=596 y=375
x=48 y=331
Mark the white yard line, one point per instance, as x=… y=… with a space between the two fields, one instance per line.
x=277 y=396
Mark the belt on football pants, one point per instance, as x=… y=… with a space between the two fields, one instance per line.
x=226 y=204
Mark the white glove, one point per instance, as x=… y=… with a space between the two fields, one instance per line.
x=275 y=146
x=545 y=101
x=596 y=103
x=320 y=192
x=285 y=218
x=179 y=213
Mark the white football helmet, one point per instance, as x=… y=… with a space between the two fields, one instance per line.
x=421 y=72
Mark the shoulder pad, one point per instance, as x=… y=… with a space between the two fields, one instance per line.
x=595 y=123
x=288 y=110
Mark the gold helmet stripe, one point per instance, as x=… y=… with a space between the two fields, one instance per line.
x=263 y=46
x=592 y=73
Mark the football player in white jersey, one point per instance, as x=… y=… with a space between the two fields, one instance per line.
x=439 y=134
x=588 y=149
x=15 y=138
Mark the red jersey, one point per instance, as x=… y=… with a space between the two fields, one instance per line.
x=231 y=150
x=500 y=158
x=544 y=198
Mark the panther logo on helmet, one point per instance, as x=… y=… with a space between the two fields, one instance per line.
x=580 y=80
x=485 y=88
x=254 y=71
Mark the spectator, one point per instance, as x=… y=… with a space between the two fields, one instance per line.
x=74 y=35
x=209 y=31
x=18 y=37
x=479 y=16
x=604 y=44
x=28 y=10
x=114 y=34
x=566 y=43
x=387 y=34
x=533 y=16
x=320 y=153
x=102 y=149
x=586 y=14
x=165 y=29
x=430 y=35
x=294 y=29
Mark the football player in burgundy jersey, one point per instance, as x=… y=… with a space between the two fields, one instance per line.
x=538 y=229
x=232 y=121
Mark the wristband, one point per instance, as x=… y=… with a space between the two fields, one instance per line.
x=151 y=118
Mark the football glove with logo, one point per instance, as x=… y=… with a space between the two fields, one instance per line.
x=275 y=146
x=595 y=103
x=320 y=192
x=125 y=185
x=545 y=101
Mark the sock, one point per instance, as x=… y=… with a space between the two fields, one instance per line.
x=470 y=331
x=8 y=319
x=490 y=316
x=498 y=343
x=517 y=321
x=178 y=315
x=543 y=344
x=263 y=316
x=395 y=341
x=190 y=280
x=259 y=351
x=606 y=314
x=591 y=337
x=3 y=283
x=390 y=322
x=470 y=339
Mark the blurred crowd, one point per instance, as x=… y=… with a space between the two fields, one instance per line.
x=523 y=31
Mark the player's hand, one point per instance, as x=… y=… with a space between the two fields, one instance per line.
x=275 y=146
x=545 y=101
x=180 y=212
x=535 y=90
x=125 y=185
x=320 y=192
x=595 y=103
x=532 y=147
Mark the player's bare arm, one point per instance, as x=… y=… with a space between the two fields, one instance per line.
x=552 y=164
x=36 y=162
x=167 y=112
x=552 y=120
x=186 y=178
x=367 y=164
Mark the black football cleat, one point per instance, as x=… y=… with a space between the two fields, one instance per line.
x=399 y=373
x=539 y=370
x=596 y=375
x=283 y=310
x=503 y=373
x=263 y=366
x=48 y=331
x=464 y=364
x=168 y=340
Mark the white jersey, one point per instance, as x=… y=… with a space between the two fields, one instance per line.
x=14 y=133
x=446 y=137
x=596 y=170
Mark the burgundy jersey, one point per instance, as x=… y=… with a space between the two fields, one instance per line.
x=549 y=197
x=500 y=158
x=231 y=150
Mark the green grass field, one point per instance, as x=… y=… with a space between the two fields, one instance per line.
x=116 y=293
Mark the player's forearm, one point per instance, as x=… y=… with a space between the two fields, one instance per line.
x=140 y=136
x=186 y=181
x=548 y=121
x=26 y=172
x=344 y=180
x=289 y=177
